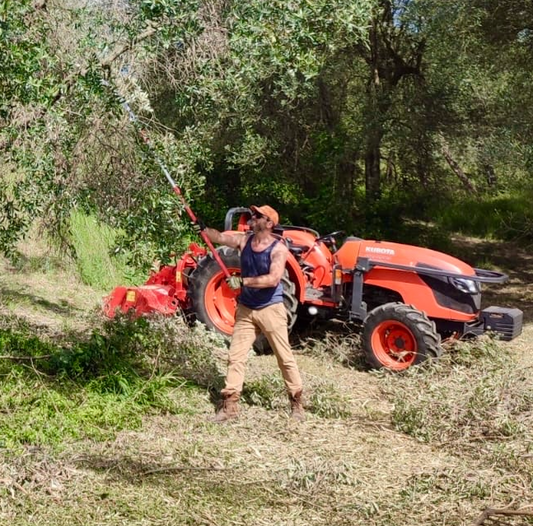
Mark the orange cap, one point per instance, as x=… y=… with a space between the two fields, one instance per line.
x=267 y=211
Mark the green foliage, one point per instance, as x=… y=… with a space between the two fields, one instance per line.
x=41 y=412
x=336 y=113
x=267 y=391
x=188 y=353
x=93 y=386
x=93 y=243
x=253 y=105
x=326 y=401
x=83 y=359
x=22 y=342
x=60 y=126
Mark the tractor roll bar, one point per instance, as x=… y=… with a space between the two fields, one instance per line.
x=231 y=213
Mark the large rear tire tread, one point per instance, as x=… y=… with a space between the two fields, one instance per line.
x=426 y=340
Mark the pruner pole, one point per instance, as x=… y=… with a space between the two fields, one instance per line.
x=177 y=190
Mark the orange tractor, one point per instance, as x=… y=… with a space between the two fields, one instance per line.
x=406 y=298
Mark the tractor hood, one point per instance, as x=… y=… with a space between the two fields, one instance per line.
x=401 y=255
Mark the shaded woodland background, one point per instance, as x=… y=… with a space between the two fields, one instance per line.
x=383 y=118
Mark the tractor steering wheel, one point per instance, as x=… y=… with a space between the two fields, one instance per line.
x=329 y=239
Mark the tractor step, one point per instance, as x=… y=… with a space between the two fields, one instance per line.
x=312 y=294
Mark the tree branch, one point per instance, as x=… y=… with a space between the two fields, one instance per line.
x=25 y=358
x=454 y=165
x=120 y=50
x=492 y=511
x=70 y=80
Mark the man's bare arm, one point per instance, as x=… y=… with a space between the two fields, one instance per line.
x=230 y=240
x=277 y=267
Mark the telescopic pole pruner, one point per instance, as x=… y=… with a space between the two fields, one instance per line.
x=134 y=119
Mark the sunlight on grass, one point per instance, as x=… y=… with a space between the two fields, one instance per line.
x=93 y=242
x=506 y=216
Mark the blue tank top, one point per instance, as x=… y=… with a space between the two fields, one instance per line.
x=257 y=264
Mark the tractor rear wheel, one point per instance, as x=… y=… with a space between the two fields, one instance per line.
x=214 y=303
x=397 y=336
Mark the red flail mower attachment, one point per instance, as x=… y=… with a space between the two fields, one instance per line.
x=164 y=292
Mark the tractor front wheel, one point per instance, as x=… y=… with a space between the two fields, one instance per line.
x=397 y=336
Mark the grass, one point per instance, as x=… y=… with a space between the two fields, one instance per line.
x=322 y=399
x=41 y=413
x=112 y=427
x=505 y=217
x=83 y=445
x=94 y=385
x=437 y=222
x=93 y=243
x=326 y=401
x=475 y=402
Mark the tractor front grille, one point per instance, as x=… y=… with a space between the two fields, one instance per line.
x=450 y=297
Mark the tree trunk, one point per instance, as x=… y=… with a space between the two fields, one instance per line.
x=372 y=167
x=454 y=165
x=390 y=170
x=390 y=55
x=373 y=143
x=490 y=174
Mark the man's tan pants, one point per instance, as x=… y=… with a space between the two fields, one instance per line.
x=272 y=322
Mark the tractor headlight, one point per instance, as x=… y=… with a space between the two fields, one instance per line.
x=468 y=286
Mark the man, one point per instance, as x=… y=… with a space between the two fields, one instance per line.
x=260 y=308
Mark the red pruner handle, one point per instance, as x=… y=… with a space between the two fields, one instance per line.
x=217 y=257
x=207 y=241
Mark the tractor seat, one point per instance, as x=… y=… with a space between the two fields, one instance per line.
x=294 y=249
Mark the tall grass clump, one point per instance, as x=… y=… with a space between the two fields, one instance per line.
x=342 y=346
x=93 y=242
x=507 y=217
x=476 y=400
x=93 y=385
x=327 y=401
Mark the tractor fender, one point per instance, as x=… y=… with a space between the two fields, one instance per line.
x=297 y=276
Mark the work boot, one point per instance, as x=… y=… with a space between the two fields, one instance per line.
x=297 y=409
x=229 y=408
